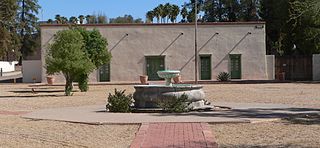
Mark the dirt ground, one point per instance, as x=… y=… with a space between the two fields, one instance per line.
x=18 y=132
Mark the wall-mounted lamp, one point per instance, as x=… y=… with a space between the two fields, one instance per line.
x=259 y=27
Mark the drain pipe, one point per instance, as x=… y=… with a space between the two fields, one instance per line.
x=1 y=72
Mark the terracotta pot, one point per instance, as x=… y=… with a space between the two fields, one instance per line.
x=50 y=80
x=177 y=79
x=144 y=79
x=282 y=76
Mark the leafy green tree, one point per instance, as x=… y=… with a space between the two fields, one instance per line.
x=28 y=26
x=73 y=20
x=166 y=11
x=304 y=30
x=95 y=48
x=64 y=20
x=66 y=56
x=50 y=21
x=149 y=16
x=81 y=19
x=156 y=12
x=58 y=19
x=184 y=13
x=126 y=19
x=88 y=19
x=249 y=10
x=174 y=12
x=9 y=39
x=102 y=19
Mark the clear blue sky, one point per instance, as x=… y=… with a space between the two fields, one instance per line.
x=111 y=8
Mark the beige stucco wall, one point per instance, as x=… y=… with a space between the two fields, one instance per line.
x=271 y=67
x=31 y=70
x=128 y=57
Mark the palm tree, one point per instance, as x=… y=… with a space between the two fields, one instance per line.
x=64 y=20
x=81 y=18
x=58 y=19
x=167 y=10
x=50 y=21
x=174 y=13
x=150 y=15
x=162 y=12
x=88 y=19
x=184 y=13
x=156 y=13
x=73 y=20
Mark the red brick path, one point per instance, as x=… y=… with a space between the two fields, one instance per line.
x=180 y=135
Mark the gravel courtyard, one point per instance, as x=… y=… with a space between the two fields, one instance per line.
x=18 y=132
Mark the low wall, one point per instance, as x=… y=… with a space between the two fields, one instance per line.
x=316 y=67
x=7 y=66
x=270 y=67
x=31 y=71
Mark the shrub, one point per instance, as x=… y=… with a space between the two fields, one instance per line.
x=83 y=82
x=175 y=104
x=119 y=102
x=223 y=76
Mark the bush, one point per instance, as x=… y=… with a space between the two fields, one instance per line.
x=119 y=102
x=175 y=104
x=223 y=76
x=83 y=83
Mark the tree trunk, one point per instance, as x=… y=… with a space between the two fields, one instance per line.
x=68 y=87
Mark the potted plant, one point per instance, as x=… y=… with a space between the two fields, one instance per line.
x=144 y=79
x=177 y=79
x=50 y=80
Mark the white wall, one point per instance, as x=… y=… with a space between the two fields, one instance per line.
x=7 y=66
x=316 y=67
x=31 y=70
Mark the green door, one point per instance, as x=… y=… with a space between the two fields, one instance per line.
x=205 y=67
x=154 y=64
x=235 y=66
x=104 y=73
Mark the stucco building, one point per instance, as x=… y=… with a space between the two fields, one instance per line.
x=142 y=49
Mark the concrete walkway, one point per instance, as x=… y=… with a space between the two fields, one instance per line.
x=180 y=135
x=240 y=112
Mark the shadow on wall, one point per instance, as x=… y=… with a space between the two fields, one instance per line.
x=205 y=44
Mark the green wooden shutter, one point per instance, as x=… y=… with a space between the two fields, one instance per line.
x=104 y=73
x=154 y=64
x=235 y=60
x=205 y=67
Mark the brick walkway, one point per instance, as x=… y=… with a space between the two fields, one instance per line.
x=180 y=135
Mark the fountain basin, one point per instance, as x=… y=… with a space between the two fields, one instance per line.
x=148 y=96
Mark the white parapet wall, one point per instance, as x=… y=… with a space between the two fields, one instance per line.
x=31 y=71
x=316 y=67
x=7 y=66
x=270 y=67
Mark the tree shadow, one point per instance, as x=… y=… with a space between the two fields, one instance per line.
x=293 y=115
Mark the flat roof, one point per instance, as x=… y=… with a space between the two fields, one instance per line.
x=157 y=24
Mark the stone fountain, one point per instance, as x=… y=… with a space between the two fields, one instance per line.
x=147 y=96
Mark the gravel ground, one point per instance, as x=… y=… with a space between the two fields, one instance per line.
x=268 y=134
x=18 y=132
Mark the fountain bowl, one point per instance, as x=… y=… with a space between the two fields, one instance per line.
x=168 y=74
x=148 y=96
